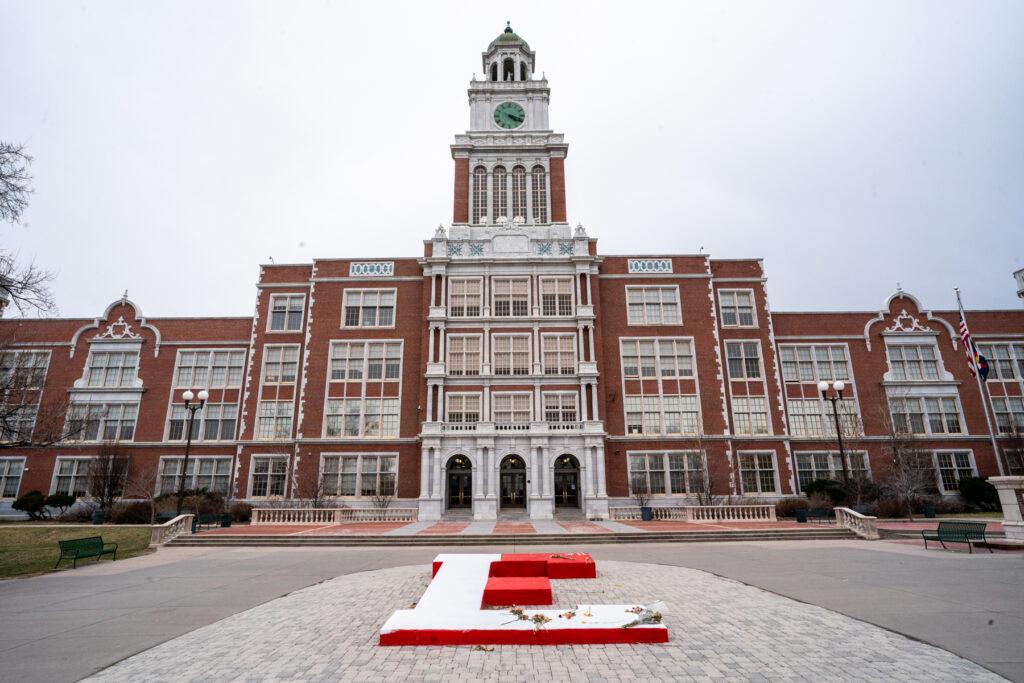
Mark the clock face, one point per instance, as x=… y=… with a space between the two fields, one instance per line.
x=509 y=115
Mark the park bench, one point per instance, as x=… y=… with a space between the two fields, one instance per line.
x=957 y=532
x=819 y=514
x=91 y=546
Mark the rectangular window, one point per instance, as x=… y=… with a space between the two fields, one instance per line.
x=653 y=305
x=913 y=362
x=826 y=465
x=369 y=308
x=209 y=369
x=1005 y=361
x=10 y=476
x=511 y=354
x=750 y=415
x=379 y=361
x=914 y=415
x=359 y=475
x=954 y=466
x=286 y=312
x=280 y=364
x=662 y=415
x=560 y=407
x=363 y=418
x=23 y=369
x=646 y=473
x=18 y=423
x=269 y=476
x=1014 y=463
x=757 y=472
x=811 y=363
x=463 y=408
x=556 y=296
x=559 y=354
x=464 y=355
x=274 y=420
x=216 y=422
x=737 y=307
x=72 y=476
x=112 y=368
x=512 y=408
x=685 y=472
x=511 y=297
x=102 y=421
x=464 y=297
x=1009 y=414
x=744 y=360
x=212 y=474
x=813 y=417
x=664 y=358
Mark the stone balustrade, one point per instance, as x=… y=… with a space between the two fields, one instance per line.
x=700 y=513
x=332 y=515
x=862 y=525
x=179 y=526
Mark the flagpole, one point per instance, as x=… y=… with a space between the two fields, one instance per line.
x=981 y=390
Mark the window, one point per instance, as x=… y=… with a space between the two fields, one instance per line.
x=72 y=476
x=106 y=421
x=10 y=476
x=943 y=415
x=24 y=369
x=499 y=181
x=512 y=408
x=212 y=474
x=813 y=417
x=560 y=407
x=463 y=407
x=511 y=297
x=657 y=358
x=1005 y=361
x=18 y=423
x=685 y=472
x=913 y=362
x=646 y=473
x=559 y=354
x=1014 y=463
x=954 y=466
x=750 y=415
x=811 y=363
x=744 y=360
x=269 y=476
x=556 y=296
x=1009 y=414
x=653 y=305
x=511 y=355
x=540 y=195
x=112 y=368
x=757 y=472
x=369 y=308
x=464 y=297
x=464 y=355
x=274 y=420
x=938 y=415
x=813 y=466
x=381 y=361
x=737 y=307
x=661 y=415
x=362 y=417
x=479 y=194
x=280 y=364
x=363 y=475
x=216 y=422
x=519 y=192
x=286 y=312
x=213 y=369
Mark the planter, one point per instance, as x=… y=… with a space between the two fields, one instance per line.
x=646 y=514
x=99 y=516
x=929 y=510
x=225 y=519
x=801 y=515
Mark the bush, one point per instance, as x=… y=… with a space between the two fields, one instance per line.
x=241 y=512
x=131 y=513
x=61 y=501
x=197 y=501
x=951 y=506
x=826 y=488
x=787 y=507
x=32 y=504
x=977 y=490
x=81 y=512
x=819 y=500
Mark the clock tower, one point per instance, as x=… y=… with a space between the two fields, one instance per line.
x=509 y=165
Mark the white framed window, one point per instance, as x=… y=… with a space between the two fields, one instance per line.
x=512 y=408
x=737 y=306
x=274 y=420
x=812 y=466
x=11 y=470
x=649 y=305
x=280 y=364
x=499 y=183
x=71 y=476
x=813 y=417
x=556 y=296
x=518 y=192
x=464 y=354
x=479 y=194
x=18 y=423
x=358 y=475
x=511 y=296
x=462 y=408
x=810 y=363
x=1009 y=412
x=209 y=369
x=954 y=466
x=744 y=359
x=361 y=417
x=649 y=358
x=204 y=472
x=465 y=297
x=511 y=354
x=927 y=415
x=558 y=353
x=269 y=476
x=750 y=415
x=286 y=312
x=378 y=361
x=1014 y=462
x=674 y=472
x=757 y=472
x=560 y=406
x=102 y=421
x=369 y=308
x=112 y=368
x=662 y=414
x=23 y=369
x=540 y=194
x=913 y=362
x=215 y=422
x=1005 y=361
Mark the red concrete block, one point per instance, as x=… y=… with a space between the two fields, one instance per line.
x=517 y=590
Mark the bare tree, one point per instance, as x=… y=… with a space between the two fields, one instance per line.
x=108 y=473
x=908 y=474
x=15 y=181
x=26 y=420
x=140 y=485
x=702 y=481
x=308 y=489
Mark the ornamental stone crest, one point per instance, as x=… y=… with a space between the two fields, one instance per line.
x=650 y=265
x=118 y=330
x=379 y=269
x=905 y=322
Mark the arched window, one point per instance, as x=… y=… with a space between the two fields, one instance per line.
x=540 y=195
x=479 y=194
x=498 y=178
x=519 y=192
x=494 y=71
x=508 y=70
x=522 y=71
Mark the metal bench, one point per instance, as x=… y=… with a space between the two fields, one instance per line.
x=957 y=532
x=91 y=546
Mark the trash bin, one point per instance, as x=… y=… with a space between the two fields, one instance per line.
x=801 y=515
x=646 y=514
x=99 y=516
x=225 y=519
x=929 y=510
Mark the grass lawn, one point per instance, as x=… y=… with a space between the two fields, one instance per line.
x=32 y=549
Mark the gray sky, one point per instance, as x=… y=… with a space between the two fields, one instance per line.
x=851 y=145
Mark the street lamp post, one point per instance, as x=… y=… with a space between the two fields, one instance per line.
x=192 y=408
x=838 y=386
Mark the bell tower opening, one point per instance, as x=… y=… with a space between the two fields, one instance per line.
x=508 y=70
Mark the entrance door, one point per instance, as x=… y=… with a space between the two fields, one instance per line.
x=460 y=483
x=513 y=482
x=567 y=482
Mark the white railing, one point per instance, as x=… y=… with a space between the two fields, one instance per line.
x=459 y=427
x=565 y=426
x=862 y=525
x=700 y=513
x=331 y=515
x=161 y=533
x=511 y=427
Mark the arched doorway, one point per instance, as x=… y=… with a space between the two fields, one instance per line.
x=460 y=482
x=567 y=482
x=513 y=482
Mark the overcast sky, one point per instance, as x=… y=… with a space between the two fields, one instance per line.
x=178 y=145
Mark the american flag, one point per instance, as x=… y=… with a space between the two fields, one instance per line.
x=976 y=362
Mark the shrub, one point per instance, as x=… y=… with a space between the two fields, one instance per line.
x=977 y=490
x=61 y=501
x=890 y=507
x=241 y=512
x=32 y=504
x=197 y=501
x=787 y=507
x=826 y=488
x=950 y=506
x=819 y=501
x=81 y=512
x=131 y=513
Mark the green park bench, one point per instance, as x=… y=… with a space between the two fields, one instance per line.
x=91 y=546
x=957 y=532
x=819 y=514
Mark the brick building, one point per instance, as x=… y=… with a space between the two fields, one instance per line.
x=513 y=368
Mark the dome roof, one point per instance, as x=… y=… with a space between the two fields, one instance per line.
x=508 y=36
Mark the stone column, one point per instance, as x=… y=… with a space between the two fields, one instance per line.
x=1011 y=497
